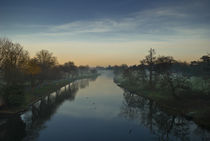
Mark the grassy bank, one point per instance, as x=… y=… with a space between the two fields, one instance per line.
x=34 y=94
x=192 y=106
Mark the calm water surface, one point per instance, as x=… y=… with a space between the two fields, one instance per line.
x=98 y=110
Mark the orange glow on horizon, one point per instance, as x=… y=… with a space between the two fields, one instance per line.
x=117 y=53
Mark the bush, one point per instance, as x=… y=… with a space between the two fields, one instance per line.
x=14 y=95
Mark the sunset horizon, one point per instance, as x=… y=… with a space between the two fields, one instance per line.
x=108 y=33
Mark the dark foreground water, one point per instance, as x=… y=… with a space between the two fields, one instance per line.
x=98 y=110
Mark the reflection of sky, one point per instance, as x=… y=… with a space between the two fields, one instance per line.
x=96 y=115
x=108 y=32
x=79 y=120
x=101 y=99
x=69 y=128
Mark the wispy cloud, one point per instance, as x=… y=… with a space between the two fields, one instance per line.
x=162 y=23
x=173 y=28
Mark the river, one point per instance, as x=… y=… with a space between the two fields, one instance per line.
x=98 y=110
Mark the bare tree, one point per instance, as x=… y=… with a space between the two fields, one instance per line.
x=149 y=61
x=70 y=68
x=13 y=61
x=47 y=62
x=33 y=70
x=46 y=58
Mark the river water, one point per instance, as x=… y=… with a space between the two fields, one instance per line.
x=98 y=110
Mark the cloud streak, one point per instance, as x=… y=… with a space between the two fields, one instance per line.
x=158 y=23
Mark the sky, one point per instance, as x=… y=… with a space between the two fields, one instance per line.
x=108 y=32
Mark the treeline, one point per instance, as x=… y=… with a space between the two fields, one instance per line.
x=18 y=69
x=166 y=73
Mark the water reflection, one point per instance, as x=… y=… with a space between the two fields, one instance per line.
x=12 y=129
x=98 y=111
x=28 y=125
x=164 y=126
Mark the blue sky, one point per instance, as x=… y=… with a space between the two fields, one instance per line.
x=102 y=32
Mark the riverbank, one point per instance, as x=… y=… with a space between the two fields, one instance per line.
x=32 y=95
x=192 y=107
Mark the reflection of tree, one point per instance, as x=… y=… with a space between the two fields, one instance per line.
x=203 y=134
x=13 y=129
x=49 y=105
x=40 y=112
x=93 y=78
x=164 y=126
x=83 y=83
x=46 y=107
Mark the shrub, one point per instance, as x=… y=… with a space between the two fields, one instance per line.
x=14 y=95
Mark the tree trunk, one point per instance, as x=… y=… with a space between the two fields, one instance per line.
x=173 y=89
x=150 y=77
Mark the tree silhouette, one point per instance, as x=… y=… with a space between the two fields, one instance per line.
x=149 y=61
